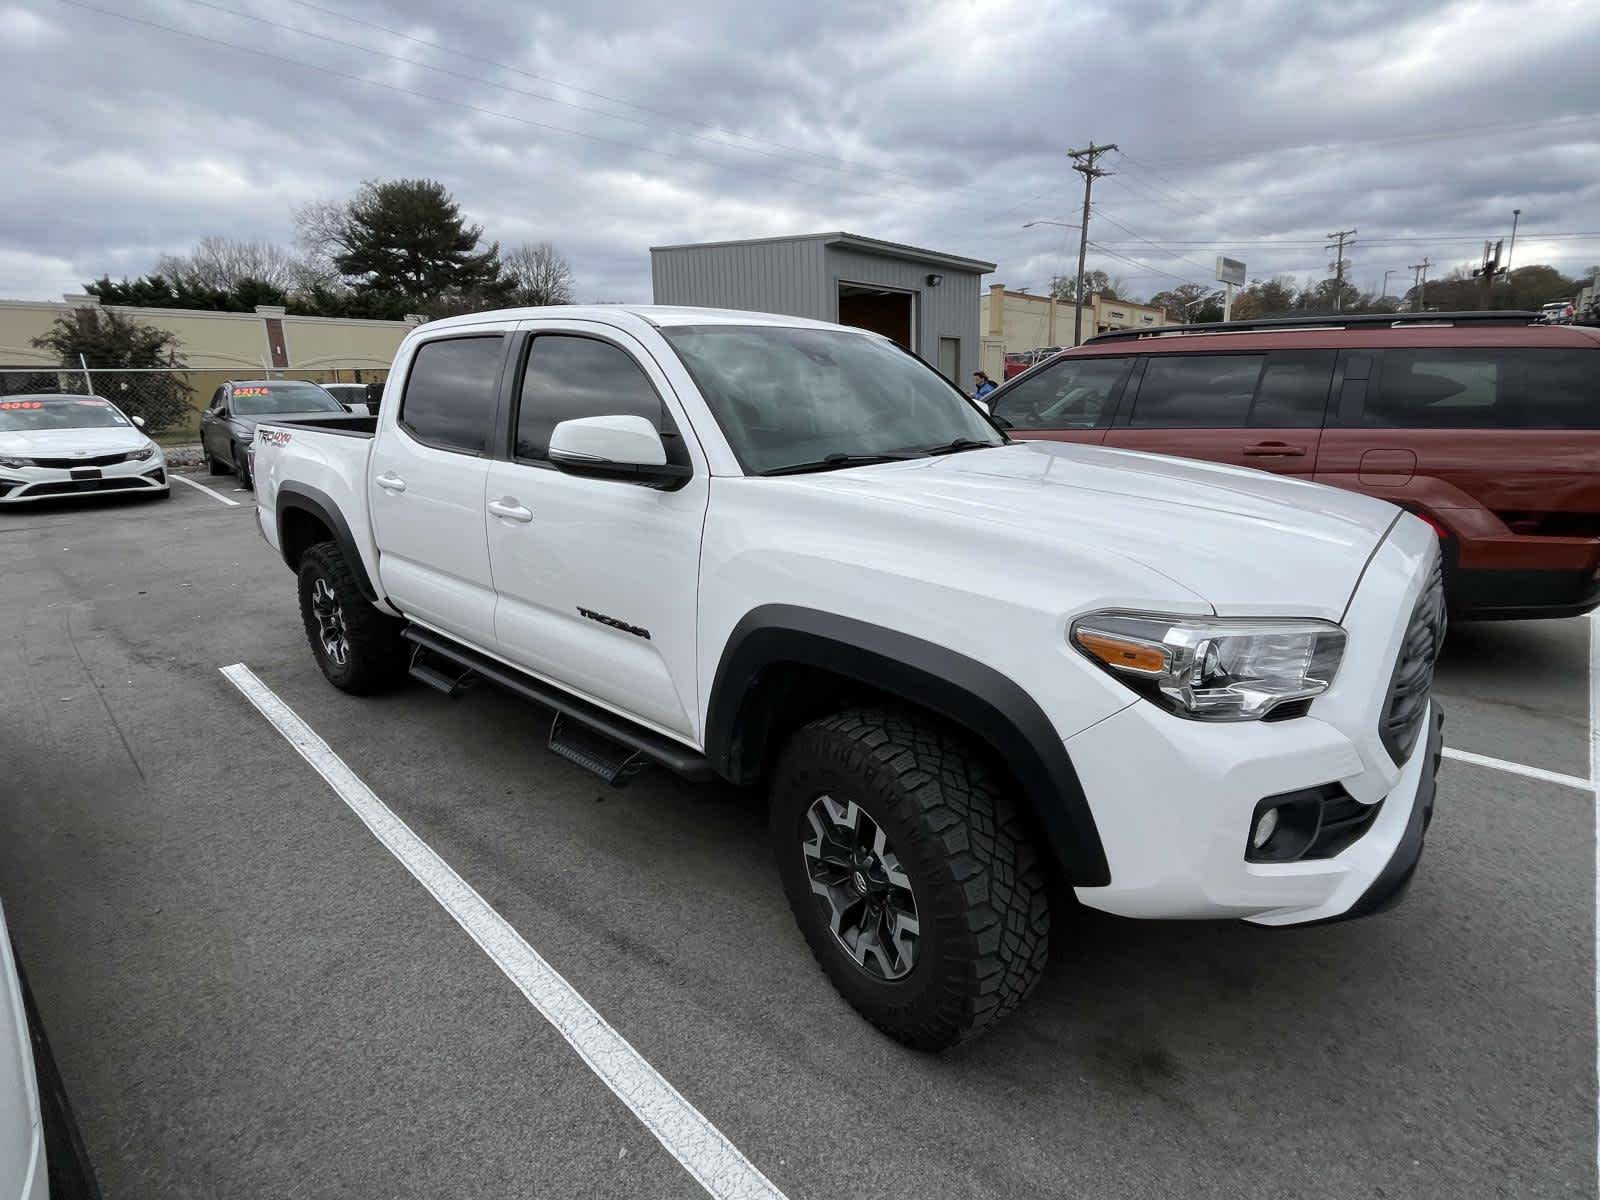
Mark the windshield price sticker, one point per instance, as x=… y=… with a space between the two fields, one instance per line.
x=15 y=405
x=252 y=391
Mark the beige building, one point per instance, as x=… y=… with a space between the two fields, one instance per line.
x=1016 y=321
x=267 y=339
x=215 y=346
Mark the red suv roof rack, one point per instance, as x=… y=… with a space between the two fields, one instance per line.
x=1331 y=321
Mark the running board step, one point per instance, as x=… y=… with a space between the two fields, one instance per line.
x=621 y=735
x=593 y=751
x=452 y=684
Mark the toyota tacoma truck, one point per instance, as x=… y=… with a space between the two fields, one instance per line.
x=973 y=676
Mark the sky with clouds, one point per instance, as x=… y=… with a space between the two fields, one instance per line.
x=134 y=127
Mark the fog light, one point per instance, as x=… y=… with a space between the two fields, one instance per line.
x=1265 y=828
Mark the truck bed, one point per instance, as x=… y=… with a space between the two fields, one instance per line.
x=359 y=425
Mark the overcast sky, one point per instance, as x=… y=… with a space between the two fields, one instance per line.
x=608 y=126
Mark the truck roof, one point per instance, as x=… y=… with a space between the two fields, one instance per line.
x=660 y=315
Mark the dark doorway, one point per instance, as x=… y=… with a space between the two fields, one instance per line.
x=877 y=309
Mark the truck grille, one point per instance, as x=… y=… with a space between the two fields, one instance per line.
x=1407 y=702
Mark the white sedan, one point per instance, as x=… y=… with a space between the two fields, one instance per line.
x=56 y=445
x=22 y=1166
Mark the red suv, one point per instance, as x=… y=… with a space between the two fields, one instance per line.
x=1487 y=425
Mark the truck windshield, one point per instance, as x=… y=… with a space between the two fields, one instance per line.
x=258 y=399
x=787 y=397
x=19 y=413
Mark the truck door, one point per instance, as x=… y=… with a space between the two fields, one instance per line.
x=597 y=579
x=1262 y=410
x=429 y=466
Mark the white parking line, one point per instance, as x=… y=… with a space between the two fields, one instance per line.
x=200 y=487
x=716 y=1163
x=1514 y=768
x=1594 y=777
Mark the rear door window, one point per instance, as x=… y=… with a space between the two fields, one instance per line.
x=1293 y=393
x=451 y=391
x=1072 y=393
x=1197 y=391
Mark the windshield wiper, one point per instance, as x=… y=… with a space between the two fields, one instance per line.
x=960 y=444
x=833 y=461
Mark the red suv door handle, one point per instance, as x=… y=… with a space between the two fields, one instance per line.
x=1274 y=450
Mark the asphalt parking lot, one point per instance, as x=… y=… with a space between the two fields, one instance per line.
x=249 y=996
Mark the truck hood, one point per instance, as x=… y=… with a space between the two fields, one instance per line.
x=1246 y=542
x=63 y=443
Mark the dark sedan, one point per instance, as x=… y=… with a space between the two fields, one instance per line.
x=228 y=426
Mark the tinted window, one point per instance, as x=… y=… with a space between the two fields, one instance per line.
x=1485 y=389
x=791 y=396
x=569 y=377
x=1205 y=391
x=1074 y=393
x=1294 y=390
x=450 y=392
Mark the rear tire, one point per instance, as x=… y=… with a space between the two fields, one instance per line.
x=942 y=823
x=358 y=647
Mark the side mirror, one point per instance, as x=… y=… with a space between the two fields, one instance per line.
x=139 y=422
x=619 y=447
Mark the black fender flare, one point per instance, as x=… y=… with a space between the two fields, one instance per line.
x=317 y=503
x=991 y=706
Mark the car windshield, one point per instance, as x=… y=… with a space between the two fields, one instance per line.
x=23 y=413
x=257 y=399
x=786 y=397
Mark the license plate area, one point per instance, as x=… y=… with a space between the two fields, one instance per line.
x=87 y=473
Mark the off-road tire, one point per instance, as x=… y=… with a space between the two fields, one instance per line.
x=377 y=658
x=980 y=888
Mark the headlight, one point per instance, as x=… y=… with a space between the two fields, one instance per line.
x=1214 y=669
x=144 y=455
x=16 y=463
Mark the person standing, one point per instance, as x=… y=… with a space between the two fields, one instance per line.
x=982 y=385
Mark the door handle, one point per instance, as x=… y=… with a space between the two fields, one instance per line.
x=1274 y=450
x=510 y=510
x=390 y=482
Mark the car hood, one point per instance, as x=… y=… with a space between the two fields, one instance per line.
x=63 y=443
x=1247 y=542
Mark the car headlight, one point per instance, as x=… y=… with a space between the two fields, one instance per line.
x=1218 y=668
x=16 y=464
x=143 y=455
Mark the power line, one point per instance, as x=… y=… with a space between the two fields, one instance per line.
x=540 y=96
x=490 y=112
x=515 y=70
x=1158 y=245
x=1402 y=239
x=1211 y=160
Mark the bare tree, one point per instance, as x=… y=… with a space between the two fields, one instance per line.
x=539 y=274
x=319 y=236
x=222 y=263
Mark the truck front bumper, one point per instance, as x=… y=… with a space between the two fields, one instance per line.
x=1175 y=802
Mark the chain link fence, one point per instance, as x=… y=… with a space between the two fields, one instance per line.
x=170 y=401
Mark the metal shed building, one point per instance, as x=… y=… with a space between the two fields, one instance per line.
x=924 y=299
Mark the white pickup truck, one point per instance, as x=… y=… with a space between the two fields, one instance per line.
x=779 y=552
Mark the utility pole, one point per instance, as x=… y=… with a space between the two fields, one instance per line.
x=1420 y=282
x=1486 y=273
x=1336 y=241
x=1083 y=162
x=1516 y=213
x=1386 y=274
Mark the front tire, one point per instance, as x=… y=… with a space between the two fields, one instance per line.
x=358 y=648
x=909 y=873
x=241 y=468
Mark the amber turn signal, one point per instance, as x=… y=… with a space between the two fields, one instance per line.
x=1123 y=654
